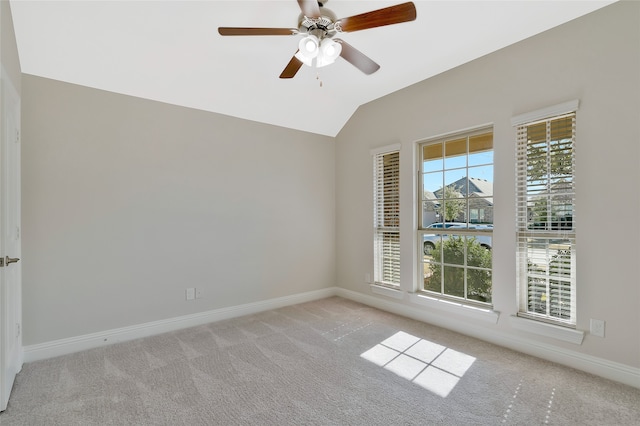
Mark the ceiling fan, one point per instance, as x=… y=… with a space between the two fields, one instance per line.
x=319 y=26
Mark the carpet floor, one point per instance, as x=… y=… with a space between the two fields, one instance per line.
x=327 y=362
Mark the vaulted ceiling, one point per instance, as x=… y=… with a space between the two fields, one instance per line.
x=170 y=51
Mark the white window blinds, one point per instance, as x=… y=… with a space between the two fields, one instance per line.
x=386 y=217
x=545 y=218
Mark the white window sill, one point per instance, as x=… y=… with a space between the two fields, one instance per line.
x=548 y=330
x=486 y=315
x=387 y=291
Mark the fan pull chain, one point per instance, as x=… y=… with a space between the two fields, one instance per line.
x=318 y=78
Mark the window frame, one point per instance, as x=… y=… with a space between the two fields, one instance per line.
x=469 y=231
x=561 y=274
x=380 y=261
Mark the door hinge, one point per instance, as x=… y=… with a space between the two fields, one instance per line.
x=18 y=330
x=17 y=136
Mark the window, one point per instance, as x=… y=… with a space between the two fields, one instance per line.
x=545 y=211
x=386 y=217
x=456 y=216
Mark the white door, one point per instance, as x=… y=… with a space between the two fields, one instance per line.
x=10 y=268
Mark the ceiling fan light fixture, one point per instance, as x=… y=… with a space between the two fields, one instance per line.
x=305 y=60
x=321 y=61
x=330 y=50
x=309 y=46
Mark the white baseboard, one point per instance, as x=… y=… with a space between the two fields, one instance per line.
x=601 y=367
x=598 y=366
x=94 y=340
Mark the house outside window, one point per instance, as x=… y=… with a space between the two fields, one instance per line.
x=386 y=216
x=456 y=217
x=545 y=216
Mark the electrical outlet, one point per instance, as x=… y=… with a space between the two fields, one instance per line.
x=597 y=327
x=190 y=293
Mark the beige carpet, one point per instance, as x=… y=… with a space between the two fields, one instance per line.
x=329 y=362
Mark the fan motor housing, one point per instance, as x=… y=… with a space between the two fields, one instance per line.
x=326 y=22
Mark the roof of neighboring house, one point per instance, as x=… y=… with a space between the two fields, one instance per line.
x=477 y=187
x=481 y=187
x=429 y=195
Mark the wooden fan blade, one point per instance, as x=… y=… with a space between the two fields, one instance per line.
x=292 y=68
x=309 y=8
x=239 y=31
x=378 y=18
x=357 y=58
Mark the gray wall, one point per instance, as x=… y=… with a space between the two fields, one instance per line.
x=595 y=59
x=127 y=202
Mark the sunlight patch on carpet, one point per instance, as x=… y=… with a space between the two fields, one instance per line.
x=427 y=364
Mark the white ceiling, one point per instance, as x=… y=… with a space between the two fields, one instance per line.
x=170 y=51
